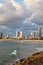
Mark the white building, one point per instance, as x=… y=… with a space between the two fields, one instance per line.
x=32 y=35
x=21 y=34
x=39 y=32
x=7 y=36
x=17 y=34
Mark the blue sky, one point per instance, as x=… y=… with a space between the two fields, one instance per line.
x=2 y=1
x=17 y=15
x=19 y=1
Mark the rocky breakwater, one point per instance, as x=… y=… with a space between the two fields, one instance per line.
x=35 y=59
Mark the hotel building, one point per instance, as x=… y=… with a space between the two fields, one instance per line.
x=39 y=33
x=21 y=34
x=17 y=34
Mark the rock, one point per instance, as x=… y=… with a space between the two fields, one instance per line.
x=17 y=63
x=35 y=59
x=21 y=60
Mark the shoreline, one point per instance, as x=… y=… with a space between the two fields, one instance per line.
x=21 y=40
x=35 y=59
x=31 y=41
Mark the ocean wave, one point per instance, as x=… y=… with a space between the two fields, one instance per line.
x=14 y=52
x=17 y=59
x=39 y=49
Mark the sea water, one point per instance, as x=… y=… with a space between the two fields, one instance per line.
x=10 y=51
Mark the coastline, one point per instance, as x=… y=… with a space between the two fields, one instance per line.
x=21 y=40
x=35 y=59
x=31 y=41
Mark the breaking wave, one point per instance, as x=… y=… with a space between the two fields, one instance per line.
x=39 y=49
x=14 y=52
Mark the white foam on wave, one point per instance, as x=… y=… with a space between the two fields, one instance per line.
x=17 y=59
x=39 y=49
x=14 y=52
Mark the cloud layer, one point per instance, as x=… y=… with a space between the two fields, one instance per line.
x=37 y=5
x=16 y=16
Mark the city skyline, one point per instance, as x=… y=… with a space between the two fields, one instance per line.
x=17 y=15
x=21 y=34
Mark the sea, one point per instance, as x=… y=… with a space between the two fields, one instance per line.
x=12 y=51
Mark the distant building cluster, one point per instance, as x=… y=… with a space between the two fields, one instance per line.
x=20 y=35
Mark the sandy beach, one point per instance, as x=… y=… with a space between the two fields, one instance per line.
x=21 y=40
x=31 y=41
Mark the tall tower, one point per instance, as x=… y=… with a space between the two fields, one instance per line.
x=39 y=32
x=17 y=34
x=1 y=35
x=21 y=34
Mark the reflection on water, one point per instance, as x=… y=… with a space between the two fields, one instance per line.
x=19 y=50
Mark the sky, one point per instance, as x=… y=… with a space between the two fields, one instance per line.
x=21 y=15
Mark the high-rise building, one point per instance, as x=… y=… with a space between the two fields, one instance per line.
x=32 y=35
x=17 y=34
x=39 y=32
x=1 y=35
x=21 y=34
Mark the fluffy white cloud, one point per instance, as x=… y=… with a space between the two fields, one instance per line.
x=36 y=5
x=10 y=10
x=13 y=10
